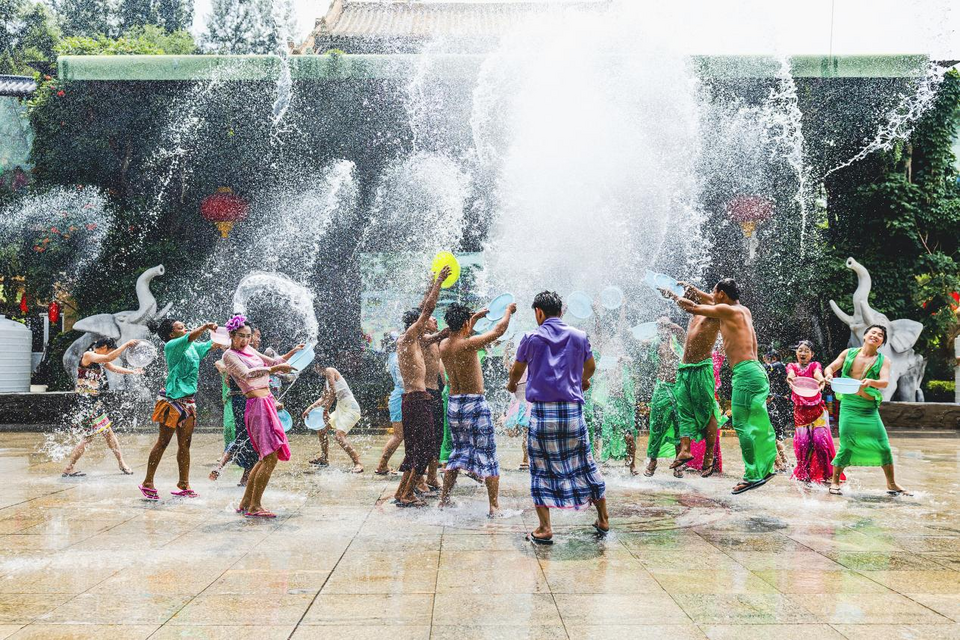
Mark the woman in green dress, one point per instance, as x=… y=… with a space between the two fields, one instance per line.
x=863 y=438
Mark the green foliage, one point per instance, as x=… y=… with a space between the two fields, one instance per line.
x=249 y=26
x=148 y=40
x=28 y=36
x=86 y=17
x=940 y=390
x=903 y=225
x=50 y=371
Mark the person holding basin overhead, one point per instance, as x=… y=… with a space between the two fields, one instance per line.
x=251 y=371
x=863 y=438
x=341 y=420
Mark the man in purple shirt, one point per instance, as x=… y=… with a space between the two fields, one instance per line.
x=562 y=471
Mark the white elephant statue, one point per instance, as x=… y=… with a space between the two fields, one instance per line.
x=906 y=366
x=121 y=326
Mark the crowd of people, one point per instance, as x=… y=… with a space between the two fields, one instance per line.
x=569 y=411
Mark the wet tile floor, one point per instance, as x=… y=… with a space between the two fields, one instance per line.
x=88 y=558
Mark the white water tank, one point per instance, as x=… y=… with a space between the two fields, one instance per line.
x=16 y=342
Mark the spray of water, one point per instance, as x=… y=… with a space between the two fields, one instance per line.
x=281 y=291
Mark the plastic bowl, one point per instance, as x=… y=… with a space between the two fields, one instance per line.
x=286 y=420
x=482 y=325
x=141 y=354
x=611 y=297
x=579 y=305
x=806 y=387
x=446 y=259
x=314 y=420
x=302 y=359
x=845 y=385
x=221 y=336
x=498 y=306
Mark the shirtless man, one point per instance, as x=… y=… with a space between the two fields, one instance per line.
x=758 y=444
x=471 y=425
x=697 y=409
x=417 y=404
x=430 y=344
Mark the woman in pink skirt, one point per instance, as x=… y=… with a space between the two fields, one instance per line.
x=812 y=442
x=251 y=370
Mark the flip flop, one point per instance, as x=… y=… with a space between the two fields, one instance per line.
x=355 y=471
x=678 y=472
x=316 y=462
x=259 y=514
x=541 y=541
x=185 y=493
x=523 y=467
x=679 y=463
x=898 y=493
x=126 y=472
x=413 y=504
x=747 y=486
x=388 y=472
x=709 y=472
x=835 y=491
x=600 y=531
x=149 y=494
x=75 y=474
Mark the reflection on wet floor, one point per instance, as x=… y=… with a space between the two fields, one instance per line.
x=87 y=557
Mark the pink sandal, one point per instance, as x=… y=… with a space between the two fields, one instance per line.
x=260 y=514
x=149 y=494
x=185 y=493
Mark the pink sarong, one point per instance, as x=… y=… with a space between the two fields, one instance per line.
x=264 y=428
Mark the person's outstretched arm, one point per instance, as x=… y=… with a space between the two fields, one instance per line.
x=196 y=333
x=479 y=342
x=429 y=303
x=835 y=366
x=110 y=356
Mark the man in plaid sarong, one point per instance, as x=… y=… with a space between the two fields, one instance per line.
x=563 y=474
x=471 y=425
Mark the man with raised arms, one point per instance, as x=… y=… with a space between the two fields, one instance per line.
x=417 y=404
x=758 y=444
x=698 y=413
x=471 y=424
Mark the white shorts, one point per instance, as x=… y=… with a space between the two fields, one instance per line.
x=346 y=416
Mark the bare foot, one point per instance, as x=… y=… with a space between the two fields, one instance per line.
x=651 y=468
x=357 y=468
x=681 y=460
x=214 y=475
x=495 y=513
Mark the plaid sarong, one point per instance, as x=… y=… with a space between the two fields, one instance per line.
x=474 y=443
x=174 y=413
x=563 y=474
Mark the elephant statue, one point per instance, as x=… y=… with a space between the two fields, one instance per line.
x=121 y=326
x=906 y=366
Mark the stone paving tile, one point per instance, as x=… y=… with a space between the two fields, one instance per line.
x=812 y=581
x=47 y=581
x=852 y=608
x=771 y=632
x=673 y=632
x=899 y=632
x=943 y=582
x=377 y=610
x=207 y=632
x=25 y=607
x=7 y=630
x=115 y=607
x=476 y=571
x=306 y=632
x=83 y=632
x=947 y=605
x=729 y=581
x=745 y=608
x=882 y=561
x=498 y=633
x=618 y=609
x=266 y=609
x=496 y=609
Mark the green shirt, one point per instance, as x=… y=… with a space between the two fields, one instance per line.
x=183 y=365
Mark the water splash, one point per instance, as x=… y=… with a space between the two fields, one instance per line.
x=278 y=289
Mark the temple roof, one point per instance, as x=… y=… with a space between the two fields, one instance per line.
x=18 y=86
x=402 y=26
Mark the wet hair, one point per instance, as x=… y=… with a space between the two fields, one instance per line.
x=164 y=330
x=457 y=315
x=109 y=343
x=804 y=343
x=730 y=287
x=877 y=326
x=549 y=302
x=410 y=317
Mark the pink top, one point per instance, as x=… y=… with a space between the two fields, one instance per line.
x=805 y=372
x=250 y=369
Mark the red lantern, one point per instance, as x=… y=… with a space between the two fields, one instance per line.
x=24 y=308
x=53 y=312
x=749 y=211
x=224 y=209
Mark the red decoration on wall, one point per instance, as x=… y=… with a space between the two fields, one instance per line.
x=23 y=304
x=224 y=208
x=749 y=211
x=53 y=312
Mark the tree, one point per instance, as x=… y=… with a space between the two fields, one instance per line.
x=28 y=37
x=170 y=15
x=249 y=26
x=87 y=17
